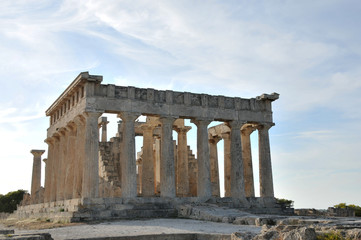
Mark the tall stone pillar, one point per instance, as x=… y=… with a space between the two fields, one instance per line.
x=90 y=186
x=246 y=131
x=36 y=177
x=167 y=171
x=79 y=156
x=182 y=162
x=157 y=157
x=55 y=168
x=204 y=187
x=48 y=169
x=70 y=163
x=147 y=161
x=214 y=165
x=265 y=166
x=237 y=178
x=227 y=163
x=128 y=161
x=103 y=124
x=61 y=164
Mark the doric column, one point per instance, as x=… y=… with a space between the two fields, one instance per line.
x=103 y=124
x=204 y=187
x=182 y=162
x=55 y=168
x=128 y=161
x=90 y=186
x=237 y=179
x=246 y=131
x=147 y=161
x=70 y=162
x=265 y=166
x=139 y=176
x=214 y=165
x=167 y=171
x=157 y=164
x=227 y=163
x=61 y=164
x=36 y=177
x=79 y=156
x=48 y=169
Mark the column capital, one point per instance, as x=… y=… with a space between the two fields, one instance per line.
x=183 y=129
x=49 y=140
x=226 y=135
x=37 y=153
x=79 y=120
x=44 y=160
x=264 y=126
x=147 y=127
x=128 y=116
x=92 y=114
x=201 y=121
x=235 y=124
x=103 y=121
x=167 y=119
x=247 y=129
x=214 y=139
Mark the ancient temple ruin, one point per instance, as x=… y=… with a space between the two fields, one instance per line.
x=84 y=169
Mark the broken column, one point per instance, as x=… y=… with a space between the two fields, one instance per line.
x=36 y=177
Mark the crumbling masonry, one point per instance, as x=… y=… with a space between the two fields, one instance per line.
x=88 y=177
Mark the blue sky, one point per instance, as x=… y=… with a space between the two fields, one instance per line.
x=307 y=51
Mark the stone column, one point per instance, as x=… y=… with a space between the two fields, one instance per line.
x=103 y=124
x=128 y=161
x=139 y=176
x=55 y=168
x=36 y=177
x=167 y=171
x=227 y=163
x=70 y=163
x=61 y=164
x=237 y=178
x=214 y=165
x=157 y=164
x=79 y=156
x=246 y=131
x=182 y=162
x=147 y=161
x=265 y=166
x=90 y=186
x=48 y=170
x=204 y=187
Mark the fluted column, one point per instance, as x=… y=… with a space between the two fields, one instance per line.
x=55 y=168
x=36 y=177
x=48 y=170
x=237 y=178
x=157 y=157
x=246 y=131
x=182 y=162
x=61 y=164
x=214 y=165
x=147 y=161
x=204 y=187
x=265 y=166
x=70 y=163
x=167 y=171
x=227 y=163
x=79 y=156
x=90 y=186
x=128 y=161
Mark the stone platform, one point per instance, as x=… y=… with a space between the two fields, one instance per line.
x=80 y=210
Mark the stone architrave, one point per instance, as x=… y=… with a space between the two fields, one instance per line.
x=182 y=162
x=227 y=163
x=167 y=171
x=265 y=166
x=36 y=177
x=246 y=131
x=147 y=161
x=204 y=187
x=237 y=178
x=90 y=186
x=214 y=165
x=128 y=161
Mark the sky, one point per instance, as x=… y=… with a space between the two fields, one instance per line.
x=307 y=51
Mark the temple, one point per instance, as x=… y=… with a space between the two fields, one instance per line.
x=88 y=177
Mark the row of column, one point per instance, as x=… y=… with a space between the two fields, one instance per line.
x=241 y=156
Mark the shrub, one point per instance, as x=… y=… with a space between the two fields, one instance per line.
x=353 y=206
x=285 y=202
x=9 y=202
